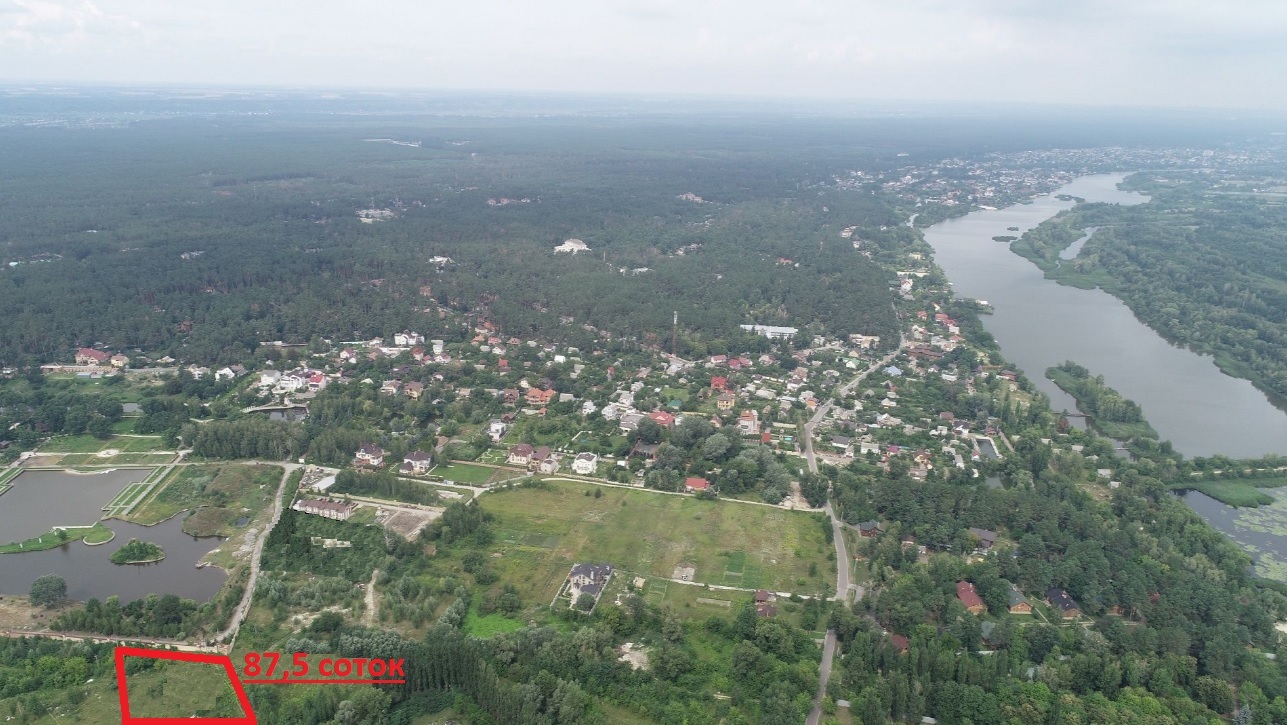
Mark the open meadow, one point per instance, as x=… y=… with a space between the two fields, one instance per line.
x=221 y=494
x=541 y=531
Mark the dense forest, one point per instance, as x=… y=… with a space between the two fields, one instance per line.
x=253 y=229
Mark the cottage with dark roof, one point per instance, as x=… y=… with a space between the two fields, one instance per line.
x=1018 y=603
x=1060 y=600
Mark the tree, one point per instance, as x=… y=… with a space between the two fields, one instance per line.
x=48 y=590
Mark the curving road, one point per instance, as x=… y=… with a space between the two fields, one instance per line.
x=244 y=605
x=843 y=586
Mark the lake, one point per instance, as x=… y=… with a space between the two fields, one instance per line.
x=40 y=500
x=1039 y=323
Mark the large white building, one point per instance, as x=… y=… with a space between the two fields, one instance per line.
x=772 y=332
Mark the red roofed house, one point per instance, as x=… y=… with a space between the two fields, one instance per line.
x=536 y=396
x=662 y=418
x=901 y=644
x=719 y=383
x=696 y=484
x=970 y=598
x=89 y=356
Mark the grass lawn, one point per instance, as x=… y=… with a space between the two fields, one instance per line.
x=543 y=532
x=466 y=473
x=90 y=444
x=494 y=623
x=224 y=493
x=123 y=459
x=98 y=533
x=494 y=456
x=124 y=425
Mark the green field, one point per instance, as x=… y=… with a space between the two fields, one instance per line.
x=90 y=444
x=1237 y=492
x=220 y=493
x=541 y=533
x=467 y=473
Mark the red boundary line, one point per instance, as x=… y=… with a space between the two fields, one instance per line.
x=323 y=682
x=223 y=660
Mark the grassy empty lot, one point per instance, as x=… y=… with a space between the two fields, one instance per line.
x=90 y=444
x=466 y=473
x=123 y=459
x=543 y=532
x=224 y=494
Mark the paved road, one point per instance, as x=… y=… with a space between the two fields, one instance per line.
x=824 y=676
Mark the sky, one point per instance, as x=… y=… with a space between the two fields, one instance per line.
x=1169 y=53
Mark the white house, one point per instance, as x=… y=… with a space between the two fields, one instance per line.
x=408 y=339
x=586 y=464
x=269 y=378
x=497 y=430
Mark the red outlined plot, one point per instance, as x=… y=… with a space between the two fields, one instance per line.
x=221 y=660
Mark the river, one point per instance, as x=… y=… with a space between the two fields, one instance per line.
x=1039 y=323
x=40 y=500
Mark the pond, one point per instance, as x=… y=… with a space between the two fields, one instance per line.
x=40 y=500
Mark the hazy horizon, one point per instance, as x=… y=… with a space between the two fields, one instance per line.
x=1150 y=54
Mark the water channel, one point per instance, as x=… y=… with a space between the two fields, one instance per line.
x=40 y=500
x=1039 y=323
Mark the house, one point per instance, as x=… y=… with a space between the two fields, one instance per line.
x=870 y=529
x=588 y=408
x=588 y=579
x=662 y=418
x=1018 y=603
x=224 y=373
x=407 y=339
x=693 y=485
x=391 y=387
x=749 y=423
x=1060 y=600
x=509 y=396
x=900 y=643
x=414 y=390
x=328 y=509
x=550 y=463
x=119 y=361
x=417 y=463
x=986 y=538
x=520 y=455
x=497 y=430
x=970 y=598
x=536 y=396
x=719 y=383
x=725 y=401
x=90 y=356
x=646 y=451
x=369 y=455
x=585 y=464
x=629 y=421
x=269 y=378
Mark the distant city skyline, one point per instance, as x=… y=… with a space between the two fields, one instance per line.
x=1169 y=53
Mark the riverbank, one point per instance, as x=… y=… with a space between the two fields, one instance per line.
x=1238 y=493
x=1107 y=411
